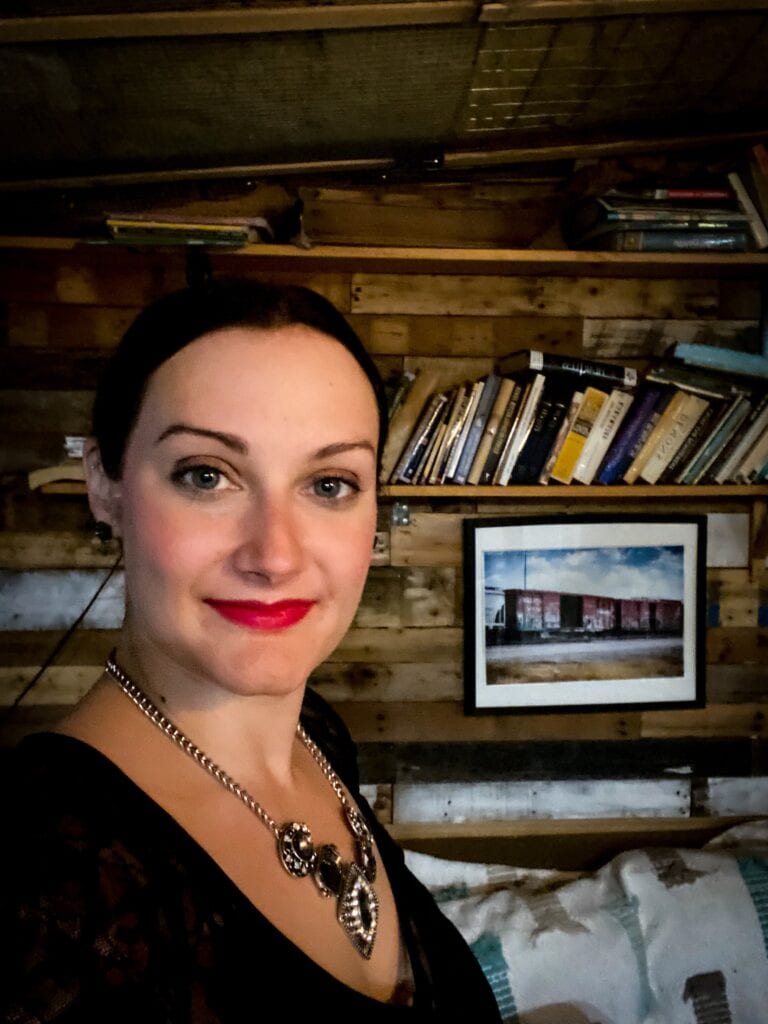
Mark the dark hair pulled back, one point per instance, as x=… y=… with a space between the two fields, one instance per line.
x=166 y=326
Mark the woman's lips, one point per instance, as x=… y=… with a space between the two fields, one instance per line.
x=258 y=615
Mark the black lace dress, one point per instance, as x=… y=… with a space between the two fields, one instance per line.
x=111 y=912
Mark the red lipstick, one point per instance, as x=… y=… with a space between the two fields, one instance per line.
x=259 y=615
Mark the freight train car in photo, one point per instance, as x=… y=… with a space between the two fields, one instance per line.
x=527 y=616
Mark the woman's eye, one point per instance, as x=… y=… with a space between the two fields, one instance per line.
x=200 y=478
x=334 y=487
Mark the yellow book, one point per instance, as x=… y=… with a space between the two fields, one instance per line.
x=575 y=439
x=666 y=420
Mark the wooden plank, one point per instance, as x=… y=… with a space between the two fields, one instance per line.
x=422 y=294
x=543 y=798
x=737 y=684
x=55 y=550
x=715 y=720
x=416 y=596
x=48 y=369
x=726 y=796
x=403 y=684
x=564 y=845
x=66 y=326
x=737 y=645
x=424 y=260
x=445 y=721
x=115 y=276
x=511 y=11
x=274 y=18
x=466 y=336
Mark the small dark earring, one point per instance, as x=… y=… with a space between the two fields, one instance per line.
x=103 y=531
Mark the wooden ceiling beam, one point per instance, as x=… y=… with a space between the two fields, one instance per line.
x=254 y=21
x=514 y=11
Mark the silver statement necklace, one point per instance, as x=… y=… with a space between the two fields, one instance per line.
x=357 y=906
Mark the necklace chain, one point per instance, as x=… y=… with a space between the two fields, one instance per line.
x=357 y=904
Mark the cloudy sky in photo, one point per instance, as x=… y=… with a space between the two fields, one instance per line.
x=631 y=572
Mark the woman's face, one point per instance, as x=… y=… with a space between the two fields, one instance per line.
x=247 y=506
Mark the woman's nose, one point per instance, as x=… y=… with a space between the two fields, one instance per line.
x=271 y=544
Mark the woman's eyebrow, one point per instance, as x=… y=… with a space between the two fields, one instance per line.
x=340 y=447
x=230 y=440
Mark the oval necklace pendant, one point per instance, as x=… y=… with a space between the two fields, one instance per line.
x=294 y=844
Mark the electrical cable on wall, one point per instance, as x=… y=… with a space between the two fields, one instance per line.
x=60 y=644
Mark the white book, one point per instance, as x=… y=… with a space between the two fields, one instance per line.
x=742 y=449
x=520 y=434
x=670 y=442
x=607 y=422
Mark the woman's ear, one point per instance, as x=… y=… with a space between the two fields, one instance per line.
x=104 y=493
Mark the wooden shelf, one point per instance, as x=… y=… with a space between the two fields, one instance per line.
x=428 y=260
x=578 y=492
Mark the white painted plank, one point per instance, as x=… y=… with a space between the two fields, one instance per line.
x=727 y=540
x=737 y=796
x=51 y=599
x=507 y=801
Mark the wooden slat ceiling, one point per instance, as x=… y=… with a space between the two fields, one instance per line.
x=99 y=90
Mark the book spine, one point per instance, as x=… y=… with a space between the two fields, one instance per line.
x=753 y=462
x=551 y=409
x=506 y=387
x=453 y=427
x=420 y=438
x=607 y=423
x=722 y=471
x=727 y=360
x=694 y=236
x=488 y=473
x=403 y=387
x=522 y=429
x=724 y=430
x=618 y=456
x=693 y=442
x=458 y=447
x=475 y=433
x=562 y=433
x=756 y=224
x=575 y=440
x=691 y=409
x=666 y=418
x=549 y=362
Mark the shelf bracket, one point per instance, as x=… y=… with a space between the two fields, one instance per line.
x=401 y=514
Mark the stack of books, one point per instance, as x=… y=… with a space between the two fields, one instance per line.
x=674 y=219
x=540 y=418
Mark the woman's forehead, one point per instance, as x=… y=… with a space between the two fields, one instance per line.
x=249 y=372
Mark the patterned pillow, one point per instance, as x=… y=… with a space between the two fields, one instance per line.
x=657 y=936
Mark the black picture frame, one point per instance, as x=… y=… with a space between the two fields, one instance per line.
x=632 y=639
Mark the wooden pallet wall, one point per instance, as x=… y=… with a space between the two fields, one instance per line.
x=396 y=678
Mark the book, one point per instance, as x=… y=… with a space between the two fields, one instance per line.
x=520 y=429
x=475 y=433
x=426 y=461
x=503 y=395
x=562 y=433
x=548 y=362
x=693 y=443
x=419 y=440
x=728 y=360
x=691 y=409
x=693 y=236
x=574 y=442
x=728 y=462
x=552 y=410
x=468 y=414
x=457 y=402
x=591 y=216
x=646 y=410
x=604 y=429
x=506 y=425
x=667 y=418
x=400 y=390
x=673 y=193
x=753 y=462
x=742 y=187
x=700 y=382
x=733 y=416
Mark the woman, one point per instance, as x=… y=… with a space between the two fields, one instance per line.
x=191 y=844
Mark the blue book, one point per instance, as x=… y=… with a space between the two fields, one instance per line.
x=484 y=406
x=729 y=360
x=620 y=454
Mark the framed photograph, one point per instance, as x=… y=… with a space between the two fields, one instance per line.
x=584 y=613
